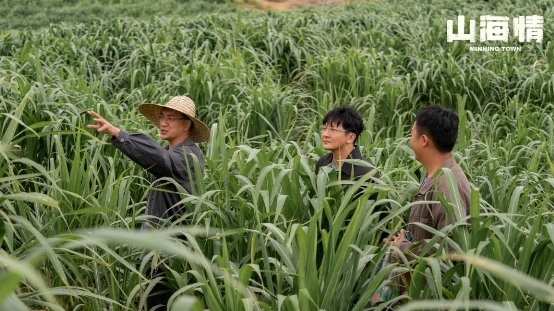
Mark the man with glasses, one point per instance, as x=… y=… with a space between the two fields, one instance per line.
x=178 y=125
x=340 y=129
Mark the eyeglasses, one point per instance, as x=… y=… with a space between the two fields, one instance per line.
x=170 y=118
x=331 y=129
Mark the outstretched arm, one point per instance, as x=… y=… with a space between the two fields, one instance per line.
x=139 y=148
x=146 y=152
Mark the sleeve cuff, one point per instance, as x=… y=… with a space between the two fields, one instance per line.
x=123 y=137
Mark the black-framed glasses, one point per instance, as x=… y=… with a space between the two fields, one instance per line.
x=170 y=118
x=333 y=130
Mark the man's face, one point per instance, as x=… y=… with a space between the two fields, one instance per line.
x=416 y=141
x=334 y=137
x=173 y=124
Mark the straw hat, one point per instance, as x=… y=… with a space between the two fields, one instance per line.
x=200 y=131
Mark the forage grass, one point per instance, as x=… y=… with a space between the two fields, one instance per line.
x=266 y=231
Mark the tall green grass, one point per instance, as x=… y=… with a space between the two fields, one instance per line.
x=26 y=14
x=267 y=233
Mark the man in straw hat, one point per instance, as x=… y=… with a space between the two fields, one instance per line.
x=178 y=125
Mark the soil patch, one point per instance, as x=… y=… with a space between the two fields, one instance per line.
x=281 y=5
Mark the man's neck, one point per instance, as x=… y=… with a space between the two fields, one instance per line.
x=434 y=162
x=341 y=154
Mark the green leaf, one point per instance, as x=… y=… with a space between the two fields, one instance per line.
x=455 y=305
x=2 y=230
x=187 y=303
x=8 y=284
x=10 y=131
x=32 y=197
x=12 y=303
x=529 y=284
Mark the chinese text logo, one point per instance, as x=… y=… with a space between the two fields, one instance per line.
x=497 y=28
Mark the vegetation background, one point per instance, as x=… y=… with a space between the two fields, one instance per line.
x=71 y=203
x=18 y=14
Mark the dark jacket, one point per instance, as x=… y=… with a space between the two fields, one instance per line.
x=176 y=163
x=348 y=170
x=352 y=172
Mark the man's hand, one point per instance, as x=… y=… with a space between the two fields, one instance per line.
x=395 y=240
x=400 y=238
x=102 y=126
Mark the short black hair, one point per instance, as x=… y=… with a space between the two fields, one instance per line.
x=440 y=124
x=348 y=117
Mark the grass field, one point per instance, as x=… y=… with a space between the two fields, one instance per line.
x=71 y=204
x=29 y=14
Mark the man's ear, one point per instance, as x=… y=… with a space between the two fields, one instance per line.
x=351 y=138
x=188 y=124
x=425 y=140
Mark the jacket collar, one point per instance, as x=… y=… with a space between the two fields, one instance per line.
x=187 y=142
x=346 y=168
x=449 y=163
